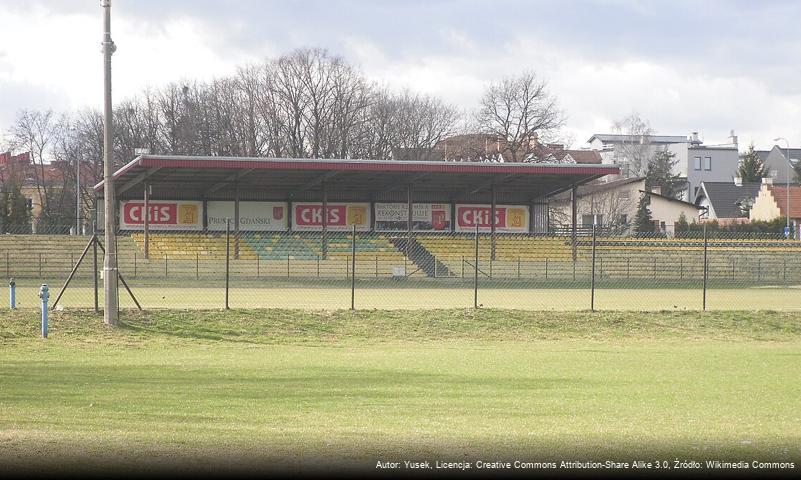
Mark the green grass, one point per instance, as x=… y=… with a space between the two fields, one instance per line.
x=261 y=388
x=418 y=295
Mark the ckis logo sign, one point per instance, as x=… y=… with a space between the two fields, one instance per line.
x=178 y=214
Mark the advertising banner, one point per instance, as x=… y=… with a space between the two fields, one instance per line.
x=164 y=215
x=307 y=216
x=508 y=218
x=425 y=216
x=253 y=216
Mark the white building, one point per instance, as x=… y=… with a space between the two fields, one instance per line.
x=695 y=162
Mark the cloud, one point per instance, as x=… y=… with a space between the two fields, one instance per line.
x=684 y=65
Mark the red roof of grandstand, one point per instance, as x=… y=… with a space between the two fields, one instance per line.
x=199 y=175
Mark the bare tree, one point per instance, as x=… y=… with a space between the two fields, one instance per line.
x=419 y=123
x=518 y=110
x=634 y=152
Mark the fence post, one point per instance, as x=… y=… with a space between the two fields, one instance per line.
x=705 y=264
x=376 y=266
x=681 y=268
x=732 y=269
x=353 y=271
x=759 y=269
x=258 y=265
x=518 y=268
x=227 y=259
x=462 y=266
x=784 y=269
x=134 y=263
x=654 y=268
x=435 y=266
x=592 y=280
x=7 y=266
x=546 y=268
x=475 y=276
x=40 y=264
x=318 y=266
x=197 y=265
x=287 y=266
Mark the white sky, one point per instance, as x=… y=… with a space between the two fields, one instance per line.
x=708 y=66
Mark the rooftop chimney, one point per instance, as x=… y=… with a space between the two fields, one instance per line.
x=738 y=181
x=732 y=138
x=656 y=189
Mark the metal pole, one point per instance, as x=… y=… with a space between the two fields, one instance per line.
x=324 y=231
x=475 y=276
x=236 y=222
x=492 y=226
x=146 y=220
x=77 y=196
x=409 y=218
x=592 y=282
x=72 y=273
x=353 y=271
x=705 y=264
x=574 y=218
x=111 y=294
x=227 y=257
x=787 y=212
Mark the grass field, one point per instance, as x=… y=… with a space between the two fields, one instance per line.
x=337 y=296
x=295 y=389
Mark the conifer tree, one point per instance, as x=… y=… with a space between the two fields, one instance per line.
x=752 y=168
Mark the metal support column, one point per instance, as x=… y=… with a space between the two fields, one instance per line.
x=324 y=231
x=146 y=220
x=492 y=222
x=409 y=206
x=573 y=221
x=236 y=222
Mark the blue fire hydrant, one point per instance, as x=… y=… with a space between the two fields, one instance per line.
x=12 y=293
x=44 y=294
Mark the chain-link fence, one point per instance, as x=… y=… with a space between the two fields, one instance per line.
x=599 y=270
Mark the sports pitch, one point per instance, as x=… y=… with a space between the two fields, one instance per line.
x=339 y=297
x=299 y=389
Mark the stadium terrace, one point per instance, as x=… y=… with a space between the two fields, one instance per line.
x=188 y=193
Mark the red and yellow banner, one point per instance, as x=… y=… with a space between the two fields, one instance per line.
x=308 y=216
x=508 y=218
x=164 y=215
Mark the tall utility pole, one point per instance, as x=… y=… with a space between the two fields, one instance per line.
x=787 y=228
x=111 y=300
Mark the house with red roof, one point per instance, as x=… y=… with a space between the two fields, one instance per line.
x=772 y=201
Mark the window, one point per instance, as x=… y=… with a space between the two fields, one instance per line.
x=697 y=163
x=624 y=194
x=774 y=173
x=624 y=219
x=707 y=163
x=586 y=220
